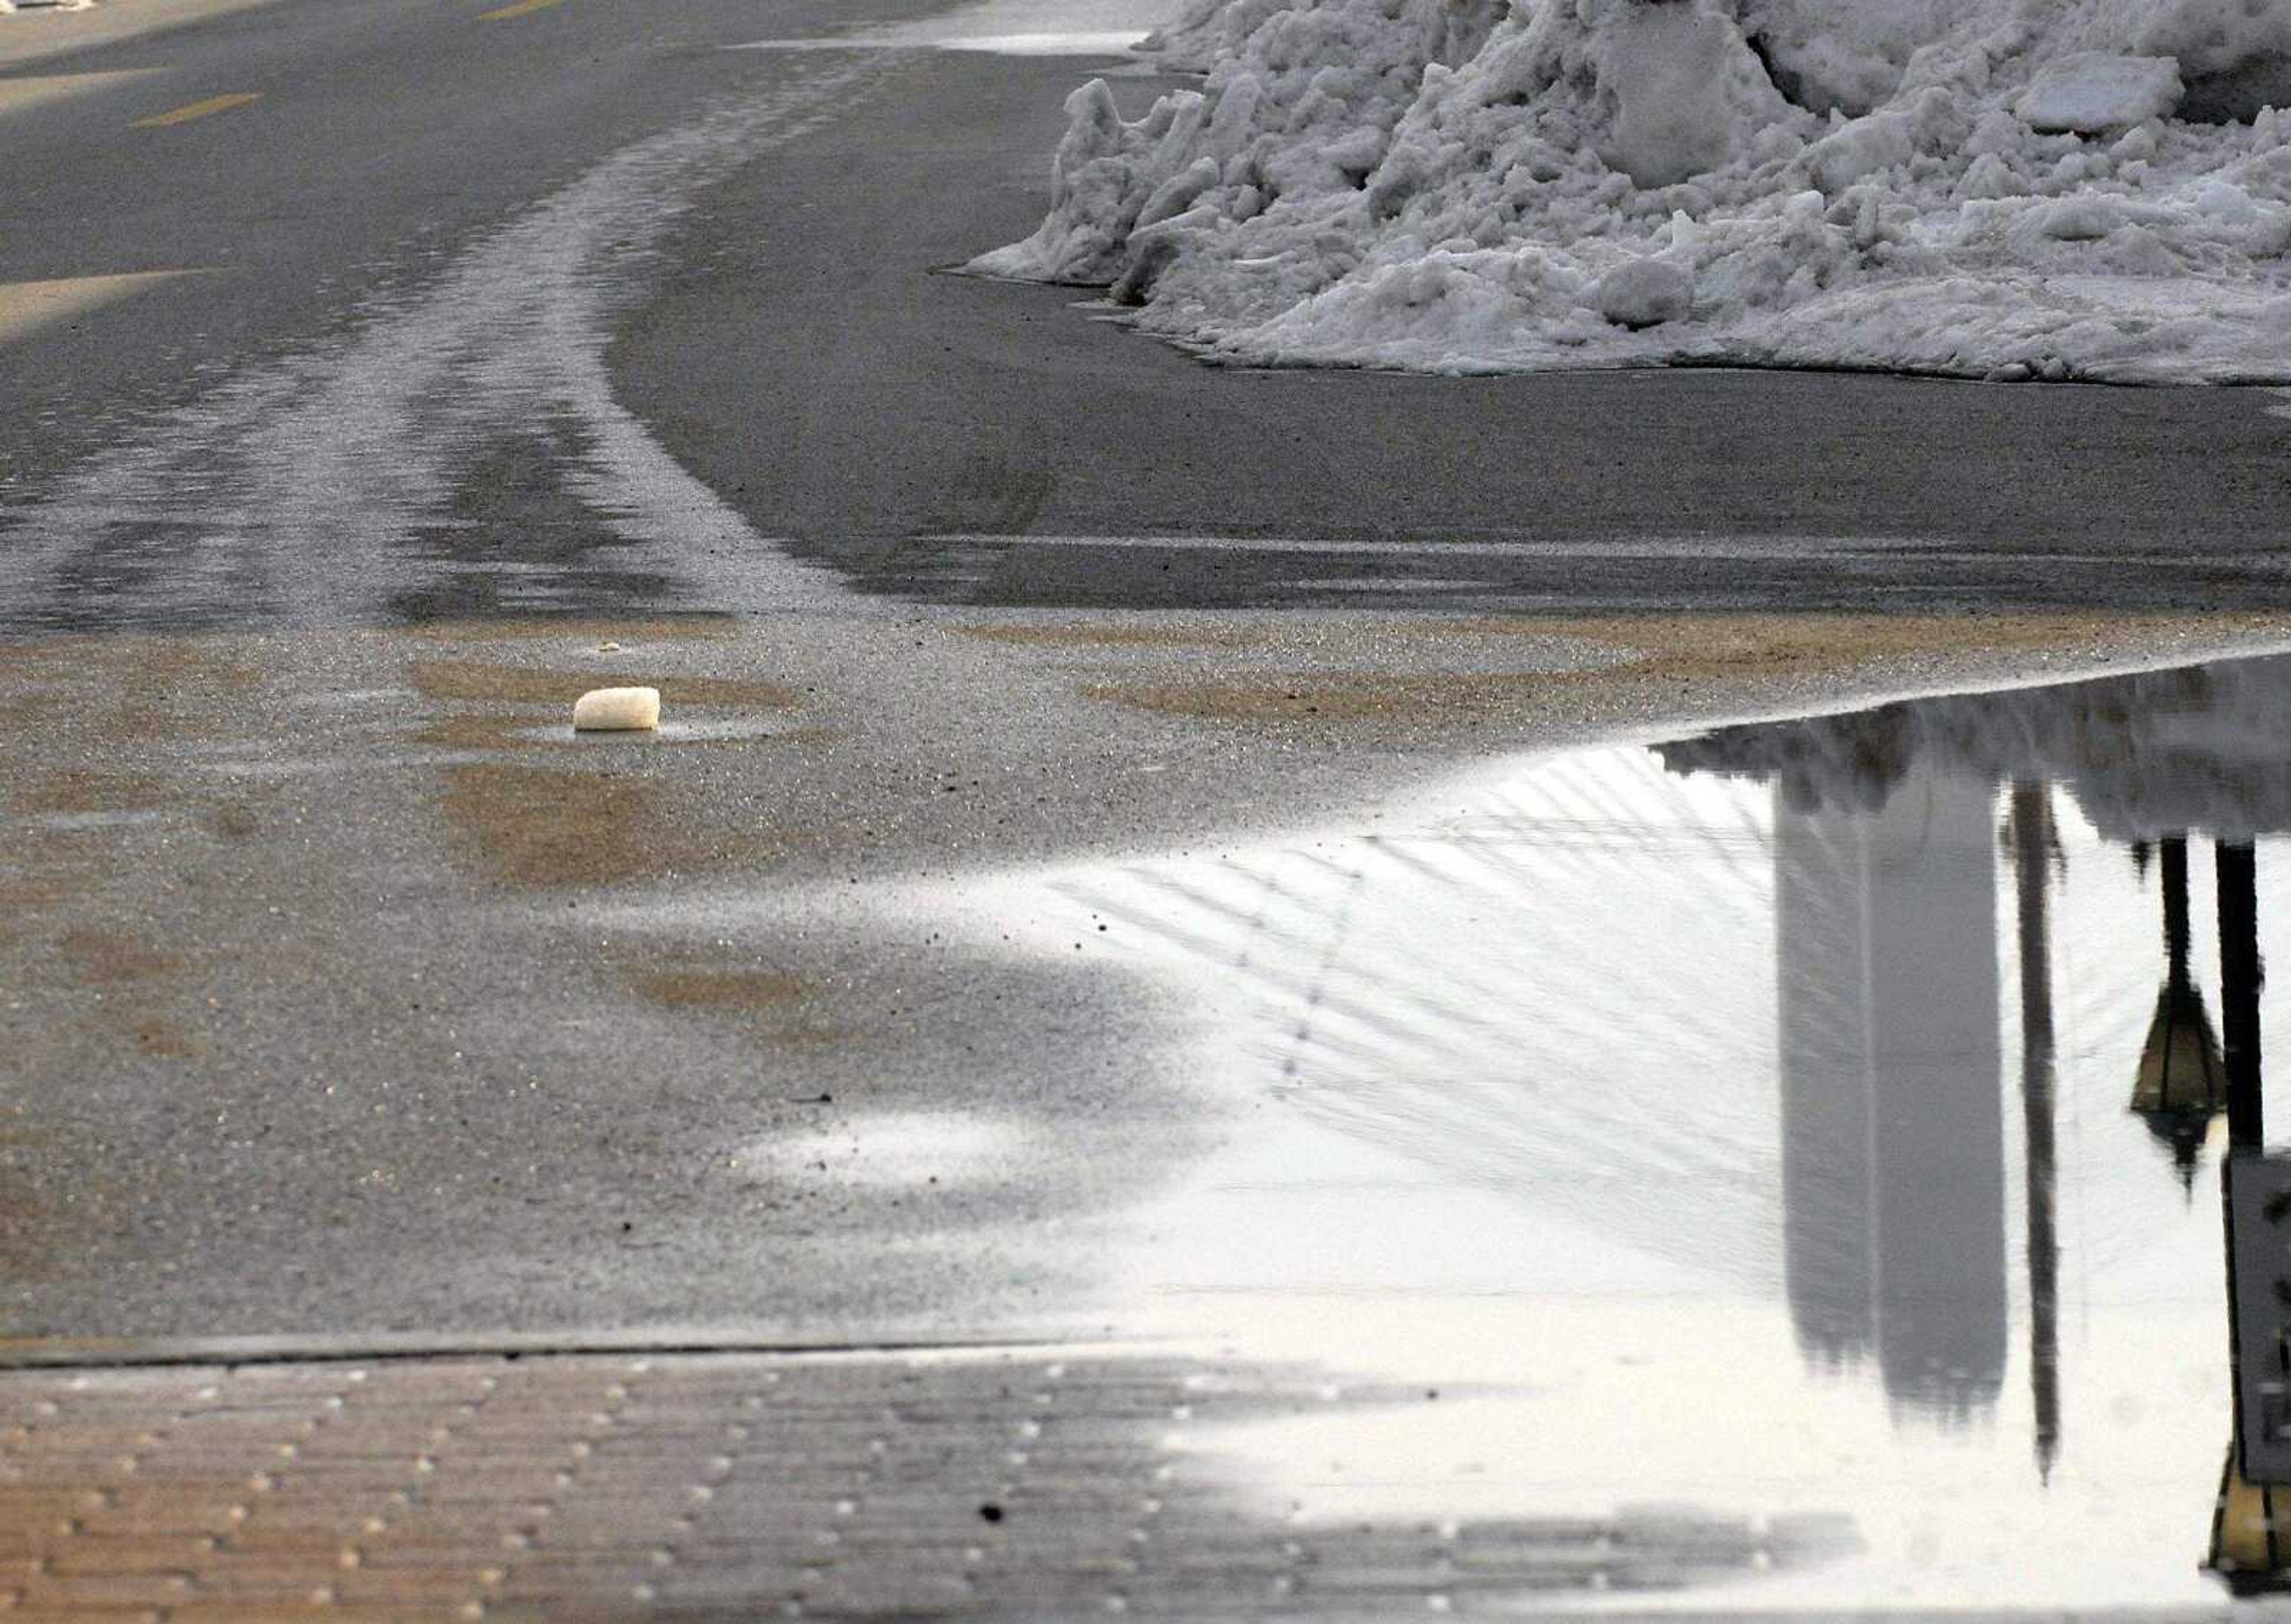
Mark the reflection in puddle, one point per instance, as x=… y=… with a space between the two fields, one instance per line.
x=2146 y=758
x=1892 y=1138
x=124 y=818
x=1787 y=1119
x=1004 y=27
x=1117 y=42
x=709 y=731
x=906 y=1150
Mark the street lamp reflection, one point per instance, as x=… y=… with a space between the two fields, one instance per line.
x=2182 y=1085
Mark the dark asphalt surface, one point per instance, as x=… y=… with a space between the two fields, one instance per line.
x=386 y=135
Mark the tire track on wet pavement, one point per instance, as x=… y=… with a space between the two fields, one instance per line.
x=315 y=491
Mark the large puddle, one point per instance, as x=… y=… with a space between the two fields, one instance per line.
x=1817 y=1126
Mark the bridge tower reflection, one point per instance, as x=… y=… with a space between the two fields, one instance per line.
x=1893 y=1129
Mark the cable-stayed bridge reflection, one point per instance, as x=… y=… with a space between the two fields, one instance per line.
x=2148 y=760
x=1859 y=1013
x=1487 y=995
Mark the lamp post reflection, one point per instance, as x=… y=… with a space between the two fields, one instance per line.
x=2181 y=1084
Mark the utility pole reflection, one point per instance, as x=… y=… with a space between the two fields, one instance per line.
x=2240 y=976
x=2251 y=1539
x=2032 y=830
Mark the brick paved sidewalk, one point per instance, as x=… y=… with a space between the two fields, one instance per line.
x=590 y=1487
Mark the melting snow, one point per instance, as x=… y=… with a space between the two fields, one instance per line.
x=2095 y=188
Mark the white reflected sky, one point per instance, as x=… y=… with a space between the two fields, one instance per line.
x=1513 y=1130
x=1012 y=27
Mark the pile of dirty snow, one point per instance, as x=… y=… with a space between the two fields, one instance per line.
x=2093 y=188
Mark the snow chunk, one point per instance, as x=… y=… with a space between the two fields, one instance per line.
x=2078 y=219
x=2234 y=55
x=2089 y=92
x=1104 y=173
x=1688 y=93
x=2214 y=37
x=617 y=711
x=1847 y=55
x=1646 y=293
x=1880 y=141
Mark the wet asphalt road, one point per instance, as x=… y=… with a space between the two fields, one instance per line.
x=383 y=136
x=775 y=327
x=347 y=997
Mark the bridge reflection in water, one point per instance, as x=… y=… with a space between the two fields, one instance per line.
x=1732 y=1023
x=1860 y=799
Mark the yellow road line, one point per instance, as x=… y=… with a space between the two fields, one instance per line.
x=198 y=109
x=520 y=8
x=26 y=307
